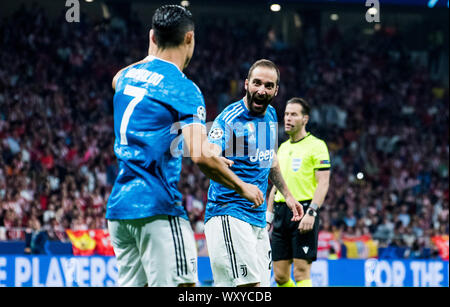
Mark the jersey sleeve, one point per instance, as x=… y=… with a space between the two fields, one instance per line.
x=321 y=156
x=220 y=133
x=120 y=78
x=192 y=106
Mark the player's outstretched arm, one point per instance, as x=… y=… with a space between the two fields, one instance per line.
x=277 y=179
x=206 y=156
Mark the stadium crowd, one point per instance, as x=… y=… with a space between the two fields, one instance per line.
x=383 y=116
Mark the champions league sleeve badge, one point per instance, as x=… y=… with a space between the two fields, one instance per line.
x=201 y=113
x=216 y=133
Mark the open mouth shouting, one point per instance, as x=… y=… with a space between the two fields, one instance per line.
x=259 y=103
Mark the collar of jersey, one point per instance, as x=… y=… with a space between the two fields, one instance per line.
x=152 y=57
x=307 y=134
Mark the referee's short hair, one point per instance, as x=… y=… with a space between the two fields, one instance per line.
x=306 y=108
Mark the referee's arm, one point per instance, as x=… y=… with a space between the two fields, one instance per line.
x=323 y=182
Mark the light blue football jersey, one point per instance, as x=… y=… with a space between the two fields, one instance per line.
x=250 y=141
x=152 y=103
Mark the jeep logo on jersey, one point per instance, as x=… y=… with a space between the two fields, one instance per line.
x=262 y=155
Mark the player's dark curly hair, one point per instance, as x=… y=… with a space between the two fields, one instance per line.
x=170 y=24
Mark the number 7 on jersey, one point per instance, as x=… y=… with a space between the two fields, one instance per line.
x=138 y=94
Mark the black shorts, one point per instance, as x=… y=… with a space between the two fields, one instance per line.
x=287 y=242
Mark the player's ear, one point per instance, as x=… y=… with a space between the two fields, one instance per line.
x=152 y=37
x=246 y=84
x=189 y=37
x=305 y=119
x=276 y=90
x=152 y=43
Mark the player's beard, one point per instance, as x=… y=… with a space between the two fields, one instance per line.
x=257 y=104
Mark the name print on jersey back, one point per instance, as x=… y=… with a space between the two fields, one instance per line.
x=144 y=75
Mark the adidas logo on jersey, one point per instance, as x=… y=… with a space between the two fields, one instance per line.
x=262 y=155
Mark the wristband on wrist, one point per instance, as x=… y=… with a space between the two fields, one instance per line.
x=269 y=217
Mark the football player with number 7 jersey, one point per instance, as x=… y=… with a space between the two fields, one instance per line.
x=154 y=105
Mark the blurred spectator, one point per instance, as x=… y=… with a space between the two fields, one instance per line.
x=35 y=238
